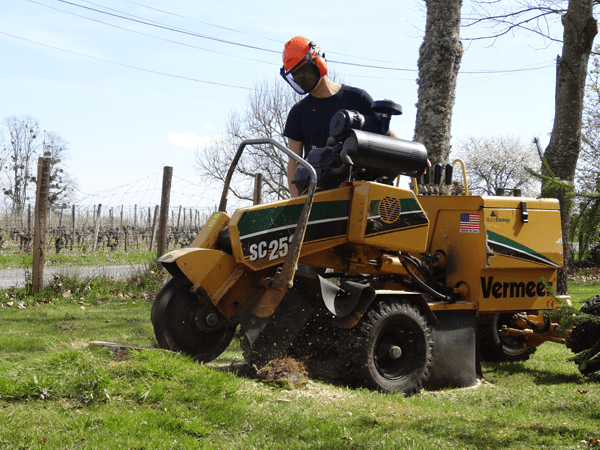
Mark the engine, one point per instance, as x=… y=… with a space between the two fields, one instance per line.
x=361 y=148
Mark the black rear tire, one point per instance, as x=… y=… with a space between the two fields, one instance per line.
x=188 y=324
x=390 y=349
x=592 y=306
x=495 y=348
x=586 y=338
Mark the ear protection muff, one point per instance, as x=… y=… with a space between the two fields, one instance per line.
x=319 y=58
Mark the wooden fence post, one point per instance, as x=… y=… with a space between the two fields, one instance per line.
x=135 y=233
x=73 y=234
x=39 y=228
x=154 y=228
x=163 y=228
x=96 y=228
x=120 y=232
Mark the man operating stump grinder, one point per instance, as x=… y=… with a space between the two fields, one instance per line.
x=308 y=123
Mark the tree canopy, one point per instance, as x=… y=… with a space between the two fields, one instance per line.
x=263 y=116
x=499 y=162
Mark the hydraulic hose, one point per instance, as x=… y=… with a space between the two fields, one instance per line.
x=432 y=291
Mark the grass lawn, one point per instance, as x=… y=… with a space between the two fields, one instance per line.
x=58 y=392
x=23 y=260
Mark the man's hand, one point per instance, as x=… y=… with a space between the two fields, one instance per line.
x=427 y=168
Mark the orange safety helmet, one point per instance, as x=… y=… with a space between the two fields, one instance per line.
x=304 y=64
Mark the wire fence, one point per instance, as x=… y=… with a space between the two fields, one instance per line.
x=118 y=218
x=112 y=231
x=146 y=192
x=84 y=228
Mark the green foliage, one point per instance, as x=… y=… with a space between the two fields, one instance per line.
x=570 y=316
x=554 y=187
x=585 y=272
x=99 y=289
x=585 y=226
x=22 y=260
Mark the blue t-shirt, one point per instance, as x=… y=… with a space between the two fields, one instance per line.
x=308 y=120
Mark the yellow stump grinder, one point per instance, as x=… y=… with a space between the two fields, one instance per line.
x=395 y=288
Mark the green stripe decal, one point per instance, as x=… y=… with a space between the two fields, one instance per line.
x=504 y=245
x=281 y=216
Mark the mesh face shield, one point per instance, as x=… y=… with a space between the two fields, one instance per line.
x=304 y=76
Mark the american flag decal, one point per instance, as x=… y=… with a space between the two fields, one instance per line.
x=469 y=223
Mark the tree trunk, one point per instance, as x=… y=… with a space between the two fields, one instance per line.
x=562 y=152
x=439 y=60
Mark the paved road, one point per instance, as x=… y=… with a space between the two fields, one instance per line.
x=16 y=277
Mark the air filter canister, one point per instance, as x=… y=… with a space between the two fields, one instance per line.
x=385 y=155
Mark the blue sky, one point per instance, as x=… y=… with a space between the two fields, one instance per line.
x=131 y=98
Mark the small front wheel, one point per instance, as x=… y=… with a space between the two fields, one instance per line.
x=188 y=324
x=390 y=349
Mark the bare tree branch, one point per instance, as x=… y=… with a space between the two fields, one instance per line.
x=533 y=16
x=263 y=115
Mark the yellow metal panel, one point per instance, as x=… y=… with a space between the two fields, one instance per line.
x=360 y=212
x=518 y=244
x=465 y=250
x=228 y=287
x=547 y=204
x=207 y=236
x=387 y=217
x=311 y=248
x=328 y=258
x=514 y=290
x=207 y=268
x=239 y=296
x=493 y=252
x=173 y=255
x=433 y=204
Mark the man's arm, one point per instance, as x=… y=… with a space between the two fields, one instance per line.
x=296 y=147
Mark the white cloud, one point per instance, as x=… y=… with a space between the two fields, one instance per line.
x=188 y=139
